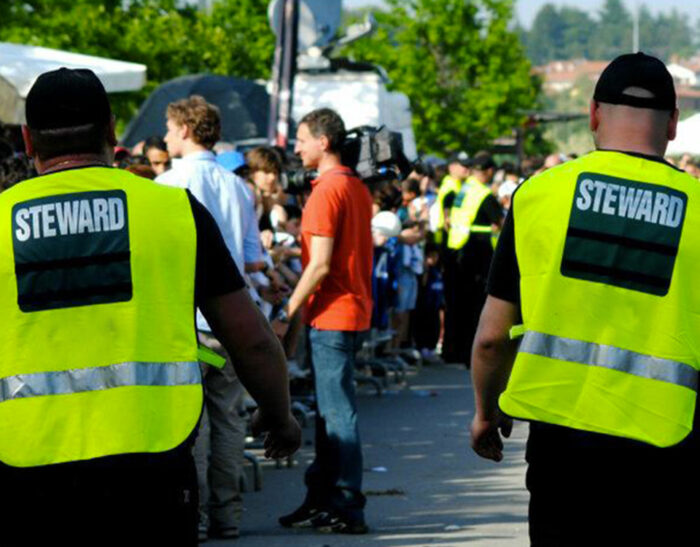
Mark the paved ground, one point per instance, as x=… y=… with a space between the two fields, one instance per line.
x=434 y=491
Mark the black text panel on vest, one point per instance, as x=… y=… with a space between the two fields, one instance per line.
x=72 y=250
x=624 y=233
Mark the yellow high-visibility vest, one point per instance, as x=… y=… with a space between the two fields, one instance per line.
x=98 y=350
x=448 y=185
x=608 y=248
x=464 y=211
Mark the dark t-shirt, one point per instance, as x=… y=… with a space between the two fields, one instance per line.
x=504 y=276
x=547 y=440
x=216 y=274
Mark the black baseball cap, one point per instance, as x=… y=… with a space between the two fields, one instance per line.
x=66 y=98
x=483 y=161
x=462 y=158
x=641 y=71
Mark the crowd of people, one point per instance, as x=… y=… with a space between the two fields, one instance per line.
x=418 y=292
x=410 y=257
x=420 y=263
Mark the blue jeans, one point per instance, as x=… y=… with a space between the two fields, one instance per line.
x=334 y=479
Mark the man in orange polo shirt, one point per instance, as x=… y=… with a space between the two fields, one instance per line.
x=336 y=289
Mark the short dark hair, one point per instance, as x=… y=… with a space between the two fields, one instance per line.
x=328 y=123
x=14 y=169
x=154 y=142
x=388 y=196
x=83 y=139
x=411 y=185
x=264 y=158
x=509 y=168
x=292 y=212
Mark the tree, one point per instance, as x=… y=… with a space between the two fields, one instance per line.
x=559 y=33
x=672 y=36
x=463 y=69
x=546 y=40
x=233 y=39
x=578 y=33
x=570 y=33
x=613 y=36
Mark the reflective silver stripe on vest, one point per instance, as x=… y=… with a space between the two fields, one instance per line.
x=598 y=355
x=99 y=378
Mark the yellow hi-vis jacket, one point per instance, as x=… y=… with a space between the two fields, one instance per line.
x=98 y=350
x=464 y=211
x=448 y=185
x=608 y=248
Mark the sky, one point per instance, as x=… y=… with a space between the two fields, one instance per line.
x=527 y=9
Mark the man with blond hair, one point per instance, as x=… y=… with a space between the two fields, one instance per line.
x=194 y=127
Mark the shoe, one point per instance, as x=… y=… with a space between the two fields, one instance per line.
x=202 y=533
x=303 y=517
x=332 y=523
x=231 y=532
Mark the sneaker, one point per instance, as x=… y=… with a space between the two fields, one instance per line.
x=232 y=532
x=202 y=533
x=332 y=523
x=304 y=517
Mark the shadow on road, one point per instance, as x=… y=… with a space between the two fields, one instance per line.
x=424 y=483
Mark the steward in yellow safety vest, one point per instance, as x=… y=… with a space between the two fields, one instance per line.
x=463 y=213
x=100 y=386
x=582 y=291
x=87 y=246
x=598 y=261
x=474 y=212
x=451 y=184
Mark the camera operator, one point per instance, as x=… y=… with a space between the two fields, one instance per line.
x=336 y=289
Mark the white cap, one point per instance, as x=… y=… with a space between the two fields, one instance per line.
x=387 y=223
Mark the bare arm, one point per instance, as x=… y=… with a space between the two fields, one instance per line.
x=260 y=364
x=411 y=236
x=252 y=267
x=315 y=272
x=492 y=361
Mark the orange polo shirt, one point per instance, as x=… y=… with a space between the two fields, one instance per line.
x=340 y=206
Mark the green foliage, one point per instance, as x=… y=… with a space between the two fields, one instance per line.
x=614 y=32
x=233 y=39
x=462 y=67
x=667 y=35
x=560 y=33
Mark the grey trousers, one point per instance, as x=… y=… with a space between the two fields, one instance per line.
x=218 y=451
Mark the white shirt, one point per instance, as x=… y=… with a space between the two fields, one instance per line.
x=229 y=201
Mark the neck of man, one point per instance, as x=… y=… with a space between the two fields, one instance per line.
x=328 y=162
x=191 y=147
x=481 y=177
x=647 y=149
x=633 y=138
x=72 y=161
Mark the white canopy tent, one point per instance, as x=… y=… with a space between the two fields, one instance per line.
x=687 y=140
x=21 y=65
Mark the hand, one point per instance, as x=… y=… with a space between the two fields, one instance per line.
x=277 y=281
x=280 y=440
x=271 y=295
x=280 y=328
x=486 y=441
x=268 y=238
